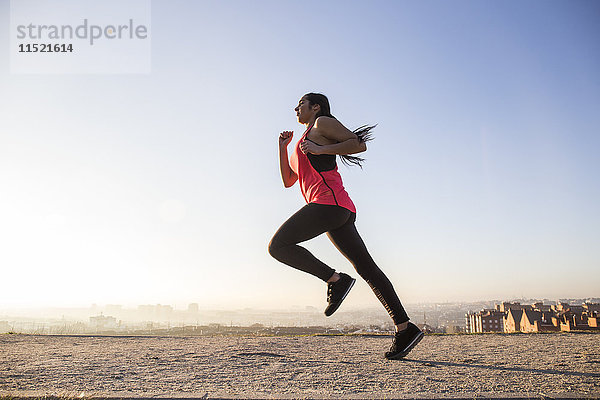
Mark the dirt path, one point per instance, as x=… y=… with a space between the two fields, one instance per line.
x=300 y=367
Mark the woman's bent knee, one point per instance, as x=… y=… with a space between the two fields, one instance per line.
x=273 y=248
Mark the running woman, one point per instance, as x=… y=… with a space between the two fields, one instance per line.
x=330 y=210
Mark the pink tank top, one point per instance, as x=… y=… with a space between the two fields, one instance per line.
x=318 y=176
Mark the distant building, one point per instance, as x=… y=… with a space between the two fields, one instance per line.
x=103 y=322
x=536 y=321
x=542 y=307
x=573 y=322
x=505 y=306
x=530 y=321
x=573 y=318
x=157 y=311
x=512 y=321
x=486 y=320
x=193 y=308
x=592 y=309
x=540 y=317
x=566 y=307
x=537 y=317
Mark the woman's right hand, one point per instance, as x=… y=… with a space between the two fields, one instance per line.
x=285 y=138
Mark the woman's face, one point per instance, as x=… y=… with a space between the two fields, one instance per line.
x=304 y=111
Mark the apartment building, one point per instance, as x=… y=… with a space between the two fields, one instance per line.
x=486 y=320
x=538 y=317
x=512 y=321
x=536 y=321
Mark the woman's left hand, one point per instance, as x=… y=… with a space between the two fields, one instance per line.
x=306 y=146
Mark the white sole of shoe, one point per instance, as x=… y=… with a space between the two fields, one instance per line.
x=408 y=348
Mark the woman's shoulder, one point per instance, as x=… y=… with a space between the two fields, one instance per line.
x=319 y=132
x=325 y=122
x=332 y=129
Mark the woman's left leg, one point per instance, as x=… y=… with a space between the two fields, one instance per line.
x=310 y=221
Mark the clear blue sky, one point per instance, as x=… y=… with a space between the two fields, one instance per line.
x=482 y=181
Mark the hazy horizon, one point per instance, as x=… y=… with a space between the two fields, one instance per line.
x=164 y=188
x=293 y=307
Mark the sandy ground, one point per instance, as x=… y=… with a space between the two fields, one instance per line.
x=452 y=366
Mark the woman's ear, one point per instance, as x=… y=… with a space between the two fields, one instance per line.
x=317 y=109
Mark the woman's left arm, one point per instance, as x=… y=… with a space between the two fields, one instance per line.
x=346 y=141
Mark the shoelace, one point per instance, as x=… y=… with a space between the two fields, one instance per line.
x=329 y=291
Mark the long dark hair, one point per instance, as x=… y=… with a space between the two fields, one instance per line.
x=363 y=133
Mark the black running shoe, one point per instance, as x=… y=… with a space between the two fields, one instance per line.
x=404 y=342
x=337 y=292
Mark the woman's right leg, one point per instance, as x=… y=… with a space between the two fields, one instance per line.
x=350 y=244
x=310 y=221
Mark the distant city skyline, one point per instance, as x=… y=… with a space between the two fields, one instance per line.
x=165 y=320
x=481 y=181
x=199 y=308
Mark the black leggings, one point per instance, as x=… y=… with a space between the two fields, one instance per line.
x=314 y=219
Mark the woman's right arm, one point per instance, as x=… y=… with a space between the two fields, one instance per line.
x=288 y=176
